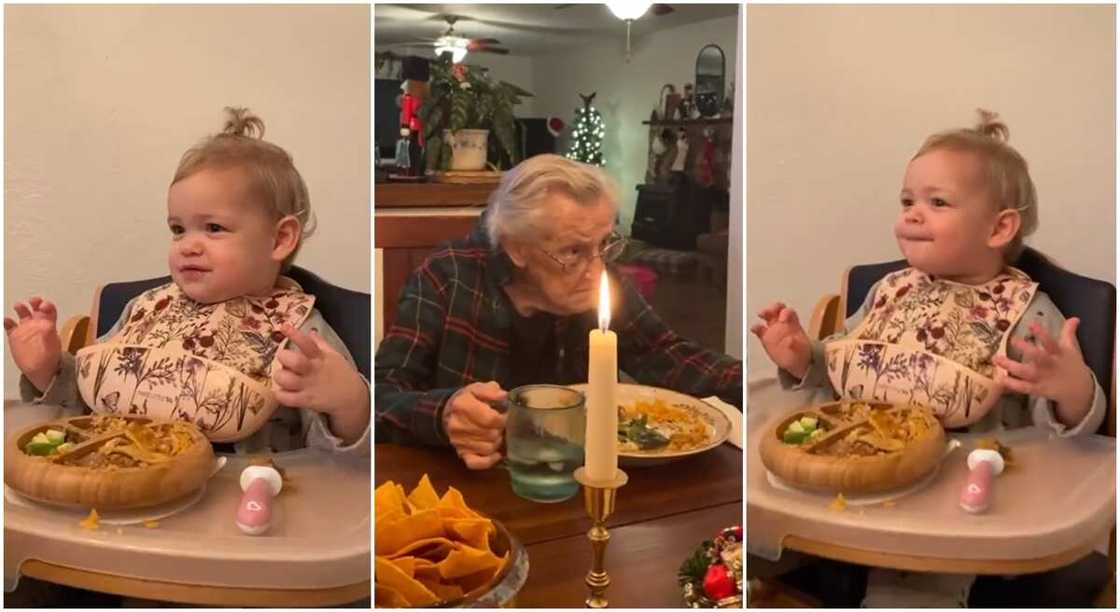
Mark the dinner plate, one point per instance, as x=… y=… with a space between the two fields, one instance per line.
x=719 y=426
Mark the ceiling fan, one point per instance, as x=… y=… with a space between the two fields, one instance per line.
x=458 y=46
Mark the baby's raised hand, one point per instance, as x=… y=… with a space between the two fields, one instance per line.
x=34 y=342
x=784 y=339
x=319 y=378
x=1054 y=369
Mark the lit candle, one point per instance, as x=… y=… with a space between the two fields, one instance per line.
x=601 y=456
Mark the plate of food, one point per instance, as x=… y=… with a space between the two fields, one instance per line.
x=658 y=425
x=108 y=462
x=435 y=551
x=854 y=447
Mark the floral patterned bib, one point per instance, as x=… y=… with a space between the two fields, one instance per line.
x=931 y=342
x=210 y=364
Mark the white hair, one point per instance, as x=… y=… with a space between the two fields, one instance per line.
x=516 y=206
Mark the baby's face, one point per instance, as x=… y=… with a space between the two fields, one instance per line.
x=947 y=215
x=222 y=243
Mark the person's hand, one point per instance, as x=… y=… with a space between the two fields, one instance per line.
x=784 y=339
x=34 y=342
x=475 y=429
x=319 y=378
x=1054 y=369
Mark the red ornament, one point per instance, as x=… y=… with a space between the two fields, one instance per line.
x=718 y=583
x=555 y=126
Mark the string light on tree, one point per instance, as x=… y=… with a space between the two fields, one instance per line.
x=587 y=134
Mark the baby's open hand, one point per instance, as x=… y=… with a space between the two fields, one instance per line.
x=784 y=339
x=319 y=378
x=1054 y=369
x=34 y=340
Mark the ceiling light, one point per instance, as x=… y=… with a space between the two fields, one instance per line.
x=454 y=45
x=628 y=9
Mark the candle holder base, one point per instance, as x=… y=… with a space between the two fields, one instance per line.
x=598 y=500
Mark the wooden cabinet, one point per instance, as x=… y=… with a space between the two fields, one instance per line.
x=410 y=221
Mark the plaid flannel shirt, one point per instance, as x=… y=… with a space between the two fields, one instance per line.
x=453 y=328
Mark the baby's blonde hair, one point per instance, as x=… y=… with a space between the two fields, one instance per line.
x=273 y=178
x=1008 y=177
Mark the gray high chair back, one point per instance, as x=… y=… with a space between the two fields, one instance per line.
x=346 y=311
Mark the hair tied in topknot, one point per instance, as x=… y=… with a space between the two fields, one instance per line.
x=240 y=122
x=990 y=126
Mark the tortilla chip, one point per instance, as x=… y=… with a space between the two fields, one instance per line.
x=454 y=499
x=388 y=597
x=393 y=535
x=424 y=496
x=386 y=573
x=92 y=521
x=481 y=580
x=465 y=561
x=387 y=498
x=407 y=565
x=472 y=532
x=445 y=592
x=449 y=513
x=427 y=549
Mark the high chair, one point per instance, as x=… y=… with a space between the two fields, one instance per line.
x=1091 y=300
x=347 y=312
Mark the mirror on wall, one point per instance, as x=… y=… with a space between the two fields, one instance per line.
x=710 y=72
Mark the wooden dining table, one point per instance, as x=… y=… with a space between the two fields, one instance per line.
x=662 y=514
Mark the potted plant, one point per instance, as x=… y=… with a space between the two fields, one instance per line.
x=464 y=107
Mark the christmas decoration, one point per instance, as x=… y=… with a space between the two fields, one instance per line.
x=713 y=576
x=718 y=582
x=555 y=126
x=587 y=134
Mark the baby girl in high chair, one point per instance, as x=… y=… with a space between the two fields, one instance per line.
x=972 y=337
x=231 y=344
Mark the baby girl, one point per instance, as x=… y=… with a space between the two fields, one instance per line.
x=230 y=344
x=960 y=330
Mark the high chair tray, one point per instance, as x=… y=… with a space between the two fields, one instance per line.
x=319 y=539
x=1054 y=505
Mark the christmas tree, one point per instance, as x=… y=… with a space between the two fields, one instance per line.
x=587 y=134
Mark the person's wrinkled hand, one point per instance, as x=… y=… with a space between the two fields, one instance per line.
x=1054 y=369
x=475 y=429
x=33 y=340
x=783 y=338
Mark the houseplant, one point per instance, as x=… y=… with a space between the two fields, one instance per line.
x=465 y=98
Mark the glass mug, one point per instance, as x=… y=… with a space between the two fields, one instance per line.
x=544 y=441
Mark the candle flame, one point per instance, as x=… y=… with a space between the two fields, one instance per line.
x=604 y=302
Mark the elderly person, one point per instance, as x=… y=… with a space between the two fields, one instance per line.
x=512 y=305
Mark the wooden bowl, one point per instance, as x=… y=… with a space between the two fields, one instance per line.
x=63 y=480
x=828 y=465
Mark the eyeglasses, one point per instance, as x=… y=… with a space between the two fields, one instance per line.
x=578 y=257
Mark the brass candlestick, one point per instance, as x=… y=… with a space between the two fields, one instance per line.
x=598 y=500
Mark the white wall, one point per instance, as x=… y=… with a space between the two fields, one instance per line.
x=102 y=101
x=840 y=97
x=627 y=92
x=733 y=334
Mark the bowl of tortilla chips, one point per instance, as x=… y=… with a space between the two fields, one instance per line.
x=435 y=551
